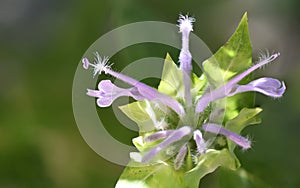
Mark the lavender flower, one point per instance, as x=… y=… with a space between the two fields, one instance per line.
x=140 y=89
x=185 y=57
x=268 y=86
x=192 y=108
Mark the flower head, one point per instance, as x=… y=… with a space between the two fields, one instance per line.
x=177 y=134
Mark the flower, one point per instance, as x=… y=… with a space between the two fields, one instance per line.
x=140 y=90
x=166 y=136
x=268 y=86
x=185 y=57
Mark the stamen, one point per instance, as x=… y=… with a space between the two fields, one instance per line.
x=225 y=90
x=158 y=135
x=174 y=137
x=100 y=65
x=238 y=139
x=180 y=157
x=201 y=144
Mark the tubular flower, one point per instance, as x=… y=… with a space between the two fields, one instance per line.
x=185 y=57
x=140 y=90
x=182 y=130
x=268 y=86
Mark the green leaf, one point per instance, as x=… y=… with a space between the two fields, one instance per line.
x=208 y=163
x=247 y=116
x=171 y=81
x=136 y=111
x=231 y=59
x=171 y=84
x=141 y=145
x=161 y=175
x=198 y=85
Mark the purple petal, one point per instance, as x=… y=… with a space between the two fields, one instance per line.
x=136 y=94
x=231 y=85
x=148 y=92
x=268 y=86
x=201 y=145
x=105 y=101
x=94 y=93
x=180 y=157
x=238 y=139
x=85 y=63
x=158 y=135
x=174 y=137
x=108 y=92
x=107 y=86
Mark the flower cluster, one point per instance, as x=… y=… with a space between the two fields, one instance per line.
x=187 y=109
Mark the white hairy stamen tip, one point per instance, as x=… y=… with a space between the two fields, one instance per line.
x=100 y=65
x=185 y=23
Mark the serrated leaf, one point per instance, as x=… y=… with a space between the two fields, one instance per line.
x=208 y=163
x=231 y=59
x=171 y=81
x=247 y=116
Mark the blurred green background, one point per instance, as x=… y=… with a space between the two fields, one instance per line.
x=42 y=42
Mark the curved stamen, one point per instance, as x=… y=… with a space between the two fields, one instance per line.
x=224 y=90
x=174 y=137
x=238 y=139
x=158 y=135
x=200 y=143
x=180 y=157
